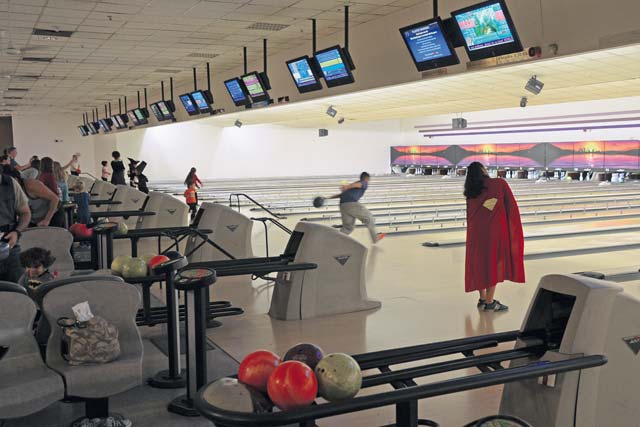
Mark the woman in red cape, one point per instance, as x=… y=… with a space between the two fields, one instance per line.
x=495 y=243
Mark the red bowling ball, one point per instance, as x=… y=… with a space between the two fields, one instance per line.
x=257 y=367
x=157 y=260
x=81 y=231
x=292 y=385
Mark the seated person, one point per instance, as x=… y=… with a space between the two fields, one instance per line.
x=82 y=198
x=36 y=263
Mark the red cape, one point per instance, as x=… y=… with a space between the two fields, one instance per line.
x=495 y=243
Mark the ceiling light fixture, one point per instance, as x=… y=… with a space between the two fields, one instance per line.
x=238 y=124
x=523 y=101
x=534 y=85
x=332 y=112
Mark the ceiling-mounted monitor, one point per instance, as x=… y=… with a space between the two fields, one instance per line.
x=336 y=65
x=84 y=130
x=237 y=92
x=132 y=117
x=118 y=121
x=428 y=45
x=105 y=124
x=256 y=86
x=487 y=30
x=189 y=104
x=203 y=100
x=94 y=127
x=155 y=109
x=167 y=109
x=142 y=114
x=304 y=73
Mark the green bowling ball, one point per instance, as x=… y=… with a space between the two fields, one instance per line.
x=134 y=268
x=232 y=395
x=122 y=229
x=119 y=262
x=339 y=377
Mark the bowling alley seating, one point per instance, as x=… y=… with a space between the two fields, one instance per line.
x=56 y=240
x=27 y=385
x=115 y=301
x=231 y=231
x=170 y=212
x=130 y=200
x=101 y=190
x=336 y=286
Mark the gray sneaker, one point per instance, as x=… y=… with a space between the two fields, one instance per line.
x=495 y=306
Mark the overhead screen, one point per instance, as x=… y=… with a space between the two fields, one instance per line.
x=487 y=30
x=189 y=104
x=303 y=74
x=255 y=87
x=335 y=66
x=200 y=98
x=237 y=92
x=428 y=45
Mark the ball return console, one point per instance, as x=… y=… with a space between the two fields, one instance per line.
x=574 y=323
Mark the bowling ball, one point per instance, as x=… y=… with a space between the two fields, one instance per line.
x=339 y=377
x=156 y=260
x=134 y=268
x=309 y=354
x=256 y=368
x=121 y=229
x=173 y=254
x=292 y=385
x=231 y=395
x=318 y=202
x=147 y=257
x=119 y=262
x=81 y=231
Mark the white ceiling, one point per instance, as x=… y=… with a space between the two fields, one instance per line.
x=607 y=74
x=119 y=46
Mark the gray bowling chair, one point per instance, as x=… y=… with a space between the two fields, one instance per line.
x=231 y=231
x=338 y=284
x=117 y=302
x=577 y=315
x=169 y=212
x=101 y=191
x=54 y=239
x=27 y=385
x=130 y=200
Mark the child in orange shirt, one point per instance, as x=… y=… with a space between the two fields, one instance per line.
x=191 y=196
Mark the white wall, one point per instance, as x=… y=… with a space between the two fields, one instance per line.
x=259 y=151
x=53 y=135
x=276 y=151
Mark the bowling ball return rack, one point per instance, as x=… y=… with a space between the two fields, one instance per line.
x=405 y=393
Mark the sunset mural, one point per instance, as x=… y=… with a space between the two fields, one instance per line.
x=576 y=154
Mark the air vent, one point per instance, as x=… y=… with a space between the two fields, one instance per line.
x=202 y=55
x=51 y=33
x=17 y=89
x=265 y=26
x=12 y=97
x=25 y=77
x=33 y=59
x=167 y=70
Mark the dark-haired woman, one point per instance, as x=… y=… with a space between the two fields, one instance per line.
x=495 y=243
x=46 y=175
x=118 y=169
x=192 y=179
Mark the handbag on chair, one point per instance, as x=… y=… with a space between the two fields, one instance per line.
x=92 y=341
